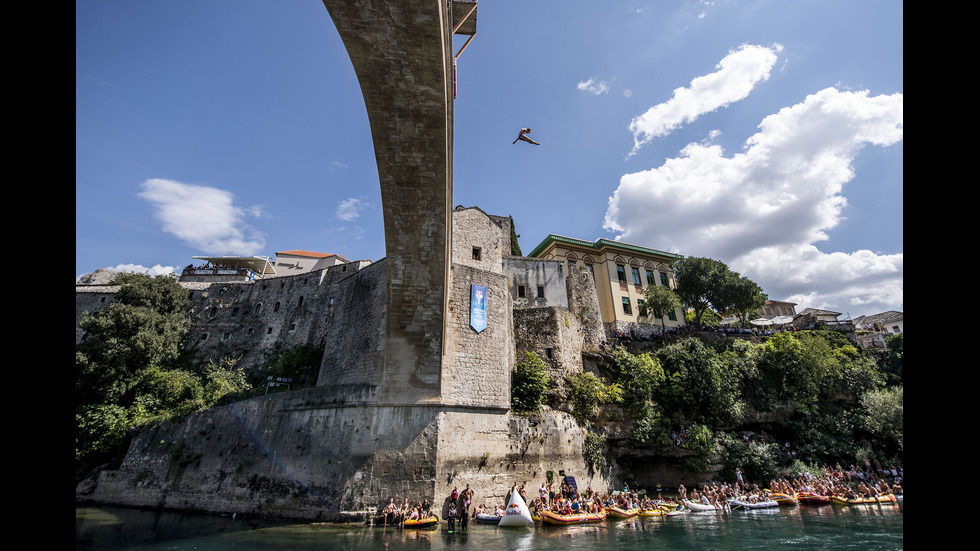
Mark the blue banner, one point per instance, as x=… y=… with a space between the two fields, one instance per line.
x=478 y=307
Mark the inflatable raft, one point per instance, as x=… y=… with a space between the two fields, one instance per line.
x=745 y=504
x=695 y=506
x=488 y=518
x=887 y=498
x=427 y=522
x=785 y=499
x=617 y=512
x=811 y=498
x=556 y=519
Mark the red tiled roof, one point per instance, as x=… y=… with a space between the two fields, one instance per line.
x=306 y=253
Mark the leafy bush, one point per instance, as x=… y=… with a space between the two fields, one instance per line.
x=133 y=368
x=884 y=414
x=758 y=461
x=588 y=392
x=640 y=377
x=528 y=383
x=700 y=385
x=825 y=433
x=593 y=452
x=650 y=431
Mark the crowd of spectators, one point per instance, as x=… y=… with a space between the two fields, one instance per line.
x=656 y=333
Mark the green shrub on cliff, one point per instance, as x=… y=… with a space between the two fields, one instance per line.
x=757 y=460
x=884 y=413
x=143 y=329
x=822 y=396
x=641 y=378
x=588 y=393
x=528 y=383
x=134 y=368
x=701 y=384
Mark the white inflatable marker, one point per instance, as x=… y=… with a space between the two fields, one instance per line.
x=516 y=513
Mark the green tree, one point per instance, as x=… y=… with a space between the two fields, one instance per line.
x=529 y=382
x=757 y=461
x=884 y=415
x=825 y=433
x=660 y=300
x=708 y=317
x=796 y=366
x=640 y=379
x=515 y=247
x=143 y=329
x=742 y=297
x=701 y=385
x=698 y=283
x=133 y=368
x=890 y=360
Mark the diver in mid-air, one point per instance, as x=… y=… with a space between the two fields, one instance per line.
x=523 y=136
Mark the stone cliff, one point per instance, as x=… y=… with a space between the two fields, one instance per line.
x=299 y=455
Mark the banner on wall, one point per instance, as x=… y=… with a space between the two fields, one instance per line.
x=478 y=307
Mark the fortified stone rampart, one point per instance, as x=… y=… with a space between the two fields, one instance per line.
x=332 y=452
x=336 y=308
x=292 y=455
x=583 y=303
x=553 y=334
x=479 y=374
x=479 y=239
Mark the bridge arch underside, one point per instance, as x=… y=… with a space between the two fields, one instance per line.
x=402 y=55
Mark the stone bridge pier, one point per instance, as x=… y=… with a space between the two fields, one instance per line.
x=402 y=55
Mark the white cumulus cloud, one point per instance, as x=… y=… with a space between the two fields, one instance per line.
x=350 y=209
x=203 y=217
x=593 y=86
x=737 y=75
x=762 y=210
x=154 y=271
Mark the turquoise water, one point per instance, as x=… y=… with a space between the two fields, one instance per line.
x=865 y=527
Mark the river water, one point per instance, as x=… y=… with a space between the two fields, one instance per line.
x=864 y=527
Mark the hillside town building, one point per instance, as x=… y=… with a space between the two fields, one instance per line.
x=621 y=272
x=874 y=329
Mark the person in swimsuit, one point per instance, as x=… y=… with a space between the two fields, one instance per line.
x=523 y=137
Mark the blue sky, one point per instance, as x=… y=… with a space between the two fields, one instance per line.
x=763 y=133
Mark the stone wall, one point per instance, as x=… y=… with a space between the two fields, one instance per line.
x=353 y=318
x=331 y=452
x=338 y=308
x=493 y=452
x=553 y=334
x=568 y=321
x=583 y=303
x=294 y=455
x=527 y=275
x=479 y=373
x=477 y=239
x=290 y=455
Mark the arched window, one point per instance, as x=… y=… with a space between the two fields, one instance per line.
x=635 y=272
x=620 y=269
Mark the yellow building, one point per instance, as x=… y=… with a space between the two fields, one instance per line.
x=621 y=271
